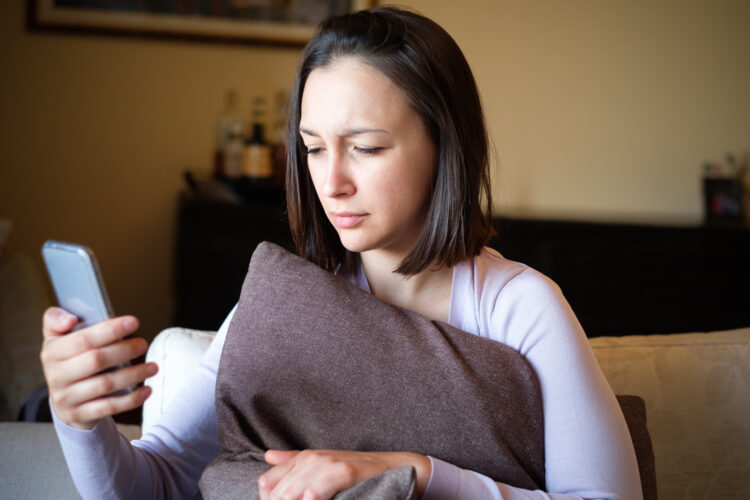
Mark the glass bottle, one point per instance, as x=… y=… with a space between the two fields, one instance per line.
x=258 y=162
x=234 y=152
x=230 y=123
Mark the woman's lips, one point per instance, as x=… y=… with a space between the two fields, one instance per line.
x=346 y=220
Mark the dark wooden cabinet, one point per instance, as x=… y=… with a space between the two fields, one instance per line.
x=623 y=279
x=620 y=279
x=214 y=243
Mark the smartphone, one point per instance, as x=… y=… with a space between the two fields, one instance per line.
x=77 y=282
x=78 y=285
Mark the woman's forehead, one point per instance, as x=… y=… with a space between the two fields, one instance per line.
x=352 y=73
x=352 y=93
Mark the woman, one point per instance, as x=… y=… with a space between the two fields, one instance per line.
x=388 y=186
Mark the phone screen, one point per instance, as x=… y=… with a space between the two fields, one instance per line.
x=77 y=282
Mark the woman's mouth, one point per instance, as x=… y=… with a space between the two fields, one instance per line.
x=346 y=220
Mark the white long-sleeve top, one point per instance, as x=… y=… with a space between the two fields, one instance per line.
x=588 y=451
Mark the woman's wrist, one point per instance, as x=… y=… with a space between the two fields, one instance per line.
x=422 y=467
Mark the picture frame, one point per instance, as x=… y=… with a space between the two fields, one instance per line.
x=724 y=201
x=268 y=22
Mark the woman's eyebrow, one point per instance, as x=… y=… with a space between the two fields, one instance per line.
x=346 y=132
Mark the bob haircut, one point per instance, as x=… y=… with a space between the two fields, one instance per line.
x=426 y=64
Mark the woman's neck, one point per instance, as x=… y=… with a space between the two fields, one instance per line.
x=427 y=293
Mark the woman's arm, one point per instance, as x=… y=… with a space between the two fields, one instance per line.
x=588 y=450
x=167 y=461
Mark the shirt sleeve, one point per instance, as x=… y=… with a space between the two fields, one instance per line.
x=588 y=450
x=168 y=460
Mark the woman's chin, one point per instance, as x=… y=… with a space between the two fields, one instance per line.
x=354 y=247
x=353 y=243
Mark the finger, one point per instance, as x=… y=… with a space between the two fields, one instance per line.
x=268 y=481
x=99 y=335
x=87 y=414
x=276 y=457
x=57 y=321
x=92 y=362
x=104 y=384
x=325 y=482
x=313 y=474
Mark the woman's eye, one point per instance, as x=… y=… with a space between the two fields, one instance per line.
x=312 y=151
x=367 y=151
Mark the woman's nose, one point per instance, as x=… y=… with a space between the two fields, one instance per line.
x=337 y=181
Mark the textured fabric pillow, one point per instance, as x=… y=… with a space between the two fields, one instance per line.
x=311 y=362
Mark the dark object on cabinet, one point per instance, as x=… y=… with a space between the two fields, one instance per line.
x=620 y=279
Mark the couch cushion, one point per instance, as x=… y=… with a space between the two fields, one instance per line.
x=27 y=450
x=32 y=463
x=697 y=392
x=312 y=361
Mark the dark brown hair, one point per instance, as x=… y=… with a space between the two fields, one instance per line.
x=426 y=64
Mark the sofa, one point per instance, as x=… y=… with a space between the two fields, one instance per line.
x=696 y=387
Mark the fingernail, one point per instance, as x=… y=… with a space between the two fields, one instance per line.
x=146 y=391
x=130 y=324
x=65 y=316
x=152 y=370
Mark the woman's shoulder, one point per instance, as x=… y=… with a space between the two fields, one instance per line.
x=493 y=274
x=491 y=290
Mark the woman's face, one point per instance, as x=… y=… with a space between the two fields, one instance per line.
x=369 y=156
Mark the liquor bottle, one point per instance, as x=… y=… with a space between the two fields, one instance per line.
x=234 y=152
x=230 y=123
x=278 y=136
x=258 y=163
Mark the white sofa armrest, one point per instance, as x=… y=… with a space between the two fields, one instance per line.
x=177 y=351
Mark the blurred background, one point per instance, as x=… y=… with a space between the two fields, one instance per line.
x=599 y=110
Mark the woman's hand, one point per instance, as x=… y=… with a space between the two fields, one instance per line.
x=320 y=474
x=72 y=363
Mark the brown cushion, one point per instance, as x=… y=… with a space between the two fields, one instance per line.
x=634 y=410
x=311 y=361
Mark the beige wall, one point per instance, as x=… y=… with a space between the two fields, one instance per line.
x=96 y=132
x=600 y=109
x=607 y=108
